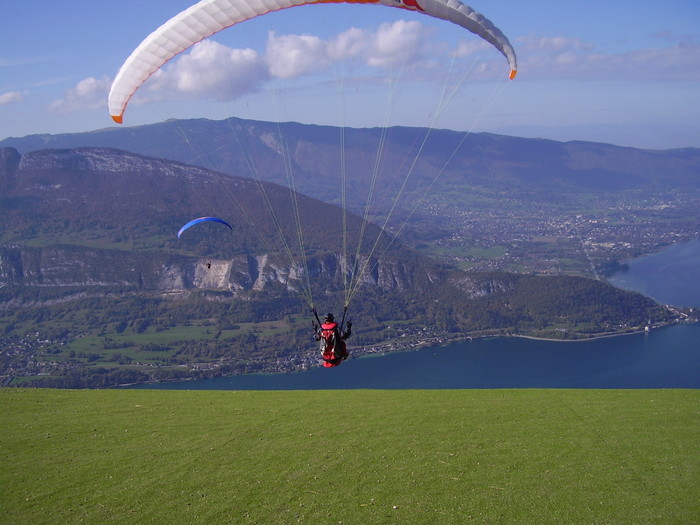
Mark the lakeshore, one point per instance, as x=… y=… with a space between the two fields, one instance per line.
x=661 y=357
x=446 y=339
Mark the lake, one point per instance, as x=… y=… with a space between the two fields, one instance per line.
x=664 y=358
x=671 y=276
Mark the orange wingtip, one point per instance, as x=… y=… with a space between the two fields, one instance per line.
x=117 y=119
x=513 y=72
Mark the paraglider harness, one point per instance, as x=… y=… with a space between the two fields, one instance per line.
x=333 y=349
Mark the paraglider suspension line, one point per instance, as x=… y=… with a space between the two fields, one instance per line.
x=342 y=321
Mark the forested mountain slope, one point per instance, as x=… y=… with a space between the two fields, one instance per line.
x=91 y=271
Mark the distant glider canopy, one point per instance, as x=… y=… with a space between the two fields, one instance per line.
x=207 y=17
x=202 y=219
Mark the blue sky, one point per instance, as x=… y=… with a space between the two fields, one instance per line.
x=622 y=72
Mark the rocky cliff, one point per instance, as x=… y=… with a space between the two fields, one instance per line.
x=80 y=267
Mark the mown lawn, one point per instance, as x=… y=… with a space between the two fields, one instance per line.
x=356 y=457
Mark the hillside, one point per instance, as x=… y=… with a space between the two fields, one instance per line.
x=494 y=163
x=98 y=290
x=476 y=200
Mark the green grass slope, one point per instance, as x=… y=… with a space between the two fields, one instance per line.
x=352 y=457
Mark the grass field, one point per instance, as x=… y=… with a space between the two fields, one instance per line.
x=352 y=457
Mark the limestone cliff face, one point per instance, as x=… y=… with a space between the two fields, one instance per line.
x=475 y=288
x=71 y=266
x=244 y=273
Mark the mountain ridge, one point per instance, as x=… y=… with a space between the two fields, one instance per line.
x=89 y=258
x=479 y=159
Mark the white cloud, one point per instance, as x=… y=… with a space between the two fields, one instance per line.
x=212 y=70
x=563 y=57
x=291 y=56
x=671 y=63
x=470 y=47
x=348 y=44
x=11 y=97
x=89 y=93
x=396 y=43
x=553 y=44
x=19 y=61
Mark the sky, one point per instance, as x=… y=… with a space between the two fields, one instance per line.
x=621 y=72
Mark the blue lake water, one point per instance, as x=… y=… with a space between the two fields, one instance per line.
x=671 y=276
x=664 y=358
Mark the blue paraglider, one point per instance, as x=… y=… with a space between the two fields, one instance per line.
x=203 y=219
